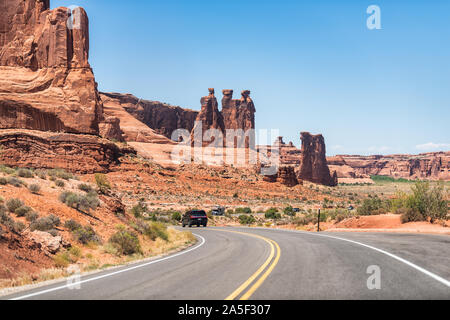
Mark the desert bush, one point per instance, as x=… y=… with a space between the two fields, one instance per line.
x=61 y=174
x=79 y=202
x=272 y=213
x=411 y=215
x=25 y=173
x=289 y=211
x=17 y=227
x=60 y=183
x=3 y=181
x=4 y=215
x=246 y=219
x=126 y=242
x=6 y=169
x=34 y=188
x=13 y=204
x=139 y=209
x=85 y=187
x=176 y=216
x=42 y=174
x=157 y=230
x=72 y=225
x=373 y=206
x=45 y=224
x=22 y=211
x=86 y=235
x=15 y=182
x=62 y=259
x=31 y=216
x=102 y=183
x=245 y=210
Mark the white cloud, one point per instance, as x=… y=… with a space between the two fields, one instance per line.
x=433 y=146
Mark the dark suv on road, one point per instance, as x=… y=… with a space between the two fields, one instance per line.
x=195 y=217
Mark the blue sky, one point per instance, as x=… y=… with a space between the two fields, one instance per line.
x=311 y=66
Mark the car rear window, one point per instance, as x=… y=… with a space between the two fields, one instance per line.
x=198 y=213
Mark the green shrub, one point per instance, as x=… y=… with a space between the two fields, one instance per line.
x=15 y=182
x=41 y=174
x=411 y=215
x=61 y=174
x=25 y=173
x=31 y=216
x=157 y=230
x=60 y=183
x=373 y=206
x=13 y=204
x=272 y=213
x=289 y=211
x=3 y=181
x=102 y=183
x=245 y=210
x=176 y=216
x=139 y=209
x=82 y=203
x=45 y=223
x=72 y=225
x=34 y=188
x=86 y=235
x=6 y=169
x=246 y=219
x=85 y=187
x=4 y=215
x=126 y=242
x=22 y=211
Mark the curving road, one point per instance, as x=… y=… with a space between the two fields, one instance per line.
x=269 y=264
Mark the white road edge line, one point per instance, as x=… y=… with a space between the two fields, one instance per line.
x=112 y=273
x=412 y=265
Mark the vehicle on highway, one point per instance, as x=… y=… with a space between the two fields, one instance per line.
x=194 y=217
x=218 y=211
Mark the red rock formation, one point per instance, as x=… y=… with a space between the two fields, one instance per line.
x=314 y=167
x=239 y=115
x=431 y=166
x=162 y=118
x=287 y=176
x=73 y=152
x=46 y=82
x=209 y=118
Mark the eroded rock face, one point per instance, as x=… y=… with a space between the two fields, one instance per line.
x=209 y=117
x=239 y=115
x=75 y=153
x=46 y=82
x=314 y=167
x=287 y=176
x=431 y=166
x=161 y=119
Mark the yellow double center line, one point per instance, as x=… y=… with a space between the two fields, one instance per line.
x=268 y=266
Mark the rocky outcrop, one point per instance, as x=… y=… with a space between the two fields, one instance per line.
x=163 y=119
x=430 y=166
x=287 y=176
x=46 y=82
x=239 y=115
x=76 y=153
x=208 y=118
x=314 y=167
x=110 y=129
x=46 y=242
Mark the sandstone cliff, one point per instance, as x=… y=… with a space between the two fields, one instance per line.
x=47 y=85
x=46 y=81
x=431 y=166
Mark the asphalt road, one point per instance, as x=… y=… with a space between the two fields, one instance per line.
x=268 y=264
